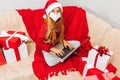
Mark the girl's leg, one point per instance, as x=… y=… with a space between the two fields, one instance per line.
x=50 y=60
x=75 y=43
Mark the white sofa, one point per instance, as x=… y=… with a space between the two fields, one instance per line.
x=101 y=33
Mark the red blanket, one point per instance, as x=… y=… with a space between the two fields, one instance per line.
x=76 y=28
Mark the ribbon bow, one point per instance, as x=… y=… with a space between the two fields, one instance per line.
x=4 y=34
x=102 y=50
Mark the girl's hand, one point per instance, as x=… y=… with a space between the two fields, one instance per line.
x=57 y=51
x=66 y=44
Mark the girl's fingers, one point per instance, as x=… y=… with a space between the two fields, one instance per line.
x=61 y=52
x=70 y=47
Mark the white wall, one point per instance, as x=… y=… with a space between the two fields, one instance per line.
x=106 y=9
x=7 y=5
x=109 y=10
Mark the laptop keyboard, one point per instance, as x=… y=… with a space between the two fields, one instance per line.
x=66 y=51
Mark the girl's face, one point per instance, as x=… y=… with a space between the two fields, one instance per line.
x=56 y=10
x=55 y=14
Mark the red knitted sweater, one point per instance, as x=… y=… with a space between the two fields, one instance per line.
x=76 y=28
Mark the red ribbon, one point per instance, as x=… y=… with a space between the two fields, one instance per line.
x=101 y=50
x=17 y=53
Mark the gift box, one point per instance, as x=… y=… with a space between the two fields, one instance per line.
x=12 y=39
x=88 y=69
x=15 y=54
x=99 y=57
x=2 y=59
x=105 y=76
x=13 y=45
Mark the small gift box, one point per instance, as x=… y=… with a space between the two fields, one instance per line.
x=12 y=39
x=88 y=69
x=2 y=59
x=91 y=70
x=13 y=45
x=15 y=54
x=105 y=76
x=99 y=57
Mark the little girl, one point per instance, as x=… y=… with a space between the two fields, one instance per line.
x=46 y=28
x=52 y=33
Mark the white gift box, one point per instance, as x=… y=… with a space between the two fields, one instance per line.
x=88 y=66
x=101 y=62
x=10 y=54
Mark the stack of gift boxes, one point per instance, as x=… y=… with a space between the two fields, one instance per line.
x=12 y=46
x=96 y=66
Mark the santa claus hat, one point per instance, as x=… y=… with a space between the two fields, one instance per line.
x=50 y=5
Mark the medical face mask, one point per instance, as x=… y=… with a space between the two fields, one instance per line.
x=54 y=16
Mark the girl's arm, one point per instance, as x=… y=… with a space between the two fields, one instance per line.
x=40 y=44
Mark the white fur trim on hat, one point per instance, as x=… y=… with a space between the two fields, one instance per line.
x=52 y=6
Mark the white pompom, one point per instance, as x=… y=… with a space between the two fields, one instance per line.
x=44 y=16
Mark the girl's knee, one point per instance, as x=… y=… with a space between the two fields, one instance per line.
x=75 y=43
x=52 y=63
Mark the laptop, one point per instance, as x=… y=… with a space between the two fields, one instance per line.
x=67 y=52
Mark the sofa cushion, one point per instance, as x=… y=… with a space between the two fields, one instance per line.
x=111 y=40
x=20 y=70
x=12 y=21
x=102 y=33
x=97 y=28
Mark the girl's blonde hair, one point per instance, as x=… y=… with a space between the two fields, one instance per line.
x=50 y=36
